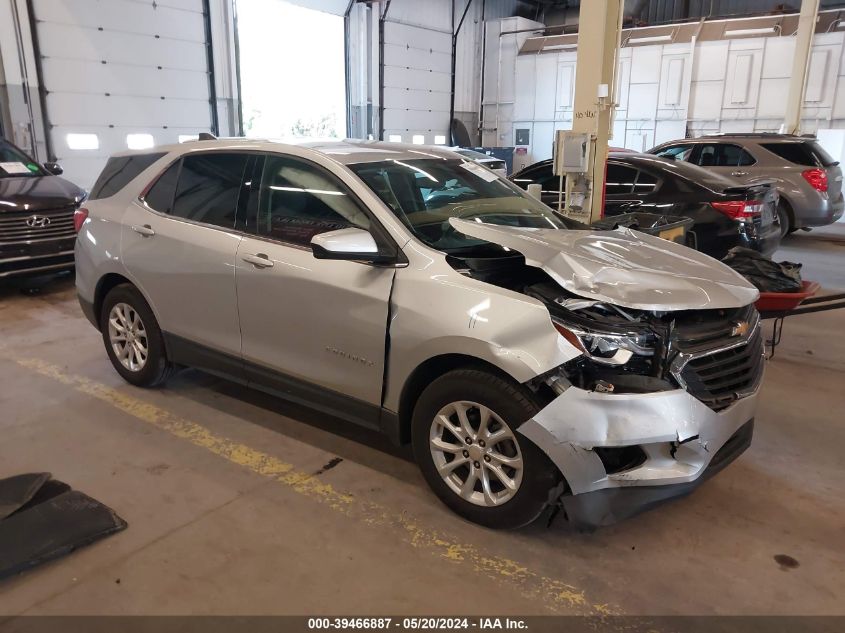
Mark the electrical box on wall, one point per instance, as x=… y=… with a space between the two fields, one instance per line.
x=572 y=152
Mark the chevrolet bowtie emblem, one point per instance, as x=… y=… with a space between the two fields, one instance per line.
x=740 y=328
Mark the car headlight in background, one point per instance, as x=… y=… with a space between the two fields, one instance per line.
x=607 y=348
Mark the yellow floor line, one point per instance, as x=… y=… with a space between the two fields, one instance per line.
x=555 y=595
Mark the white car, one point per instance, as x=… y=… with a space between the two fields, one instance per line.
x=417 y=293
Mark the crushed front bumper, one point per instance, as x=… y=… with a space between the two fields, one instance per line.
x=683 y=442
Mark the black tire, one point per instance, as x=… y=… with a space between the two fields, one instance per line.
x=156 y=369
x=514 y=405
x=785 y=219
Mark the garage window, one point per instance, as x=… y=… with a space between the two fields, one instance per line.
x=298 y=200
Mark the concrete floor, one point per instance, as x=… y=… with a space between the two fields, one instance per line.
x=226 y=514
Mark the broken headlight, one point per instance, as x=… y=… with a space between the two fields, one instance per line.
x=607 y=348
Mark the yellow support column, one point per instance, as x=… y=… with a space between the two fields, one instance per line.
x=599 y=33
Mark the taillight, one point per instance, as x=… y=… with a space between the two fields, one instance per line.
x=739 y=209
x=817 y=179
x=79 y=217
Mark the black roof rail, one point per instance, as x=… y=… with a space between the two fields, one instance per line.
x=206 y=136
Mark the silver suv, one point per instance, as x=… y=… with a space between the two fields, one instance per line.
x=808 y=180
x=417 y=293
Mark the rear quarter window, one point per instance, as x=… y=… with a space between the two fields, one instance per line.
x=119 y=172
x=809 y=153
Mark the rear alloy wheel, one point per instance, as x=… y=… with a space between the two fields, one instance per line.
x=465 y=440
x=132 y=337
x=128 y=337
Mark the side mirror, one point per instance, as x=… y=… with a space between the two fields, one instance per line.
x=348 y=244
x=54 y=168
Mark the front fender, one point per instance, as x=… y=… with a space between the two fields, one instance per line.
x=449 y=313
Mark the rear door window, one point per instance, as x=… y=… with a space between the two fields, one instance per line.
x=542 y=175
x=209 y=187
x=646 y=183
x=119 y=172
x=723 y=155
x=620 y=179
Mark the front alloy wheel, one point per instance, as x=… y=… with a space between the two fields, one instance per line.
x=128 y=337
x=476 y=453
x=464 y=431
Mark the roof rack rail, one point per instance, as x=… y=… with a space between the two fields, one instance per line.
x=206 y=136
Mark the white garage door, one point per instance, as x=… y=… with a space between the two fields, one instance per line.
x=417 y=83
x=121 y=73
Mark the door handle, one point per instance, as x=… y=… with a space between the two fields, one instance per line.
x=259 y=260
x=146 y=230
x=739 y=173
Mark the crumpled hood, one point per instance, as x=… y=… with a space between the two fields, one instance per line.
x=623 y=267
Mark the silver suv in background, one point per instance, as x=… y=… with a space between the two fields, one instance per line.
x=808 y=179
x=415 y=292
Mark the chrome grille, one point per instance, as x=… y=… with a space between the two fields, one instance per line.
x=14 y=227
x=717 y=366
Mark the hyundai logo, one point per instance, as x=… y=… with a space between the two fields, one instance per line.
x=37 y=220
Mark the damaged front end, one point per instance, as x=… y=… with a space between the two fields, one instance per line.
x=664 y=392
x=657 y=402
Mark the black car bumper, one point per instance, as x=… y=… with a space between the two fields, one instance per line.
x=53 y=260
x=610 y=505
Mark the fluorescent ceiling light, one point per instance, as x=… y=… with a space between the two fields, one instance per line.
x=649 y=39
x=556 y=47
x=83 y=141
x=139 y=141
x=769 y=30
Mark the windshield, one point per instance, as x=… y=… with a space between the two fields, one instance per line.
x=15 y=164
x=425 y=194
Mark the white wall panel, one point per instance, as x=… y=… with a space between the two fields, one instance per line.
x=120 y=67
x=544 y=99
x=642 y=101
x=672 y=82
x=645 y=60
x=417 y=77
x=777 y=63
x=736 y=85
x=819 y=78
x=565 y=97
x=125 y=16
x=525 y=85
